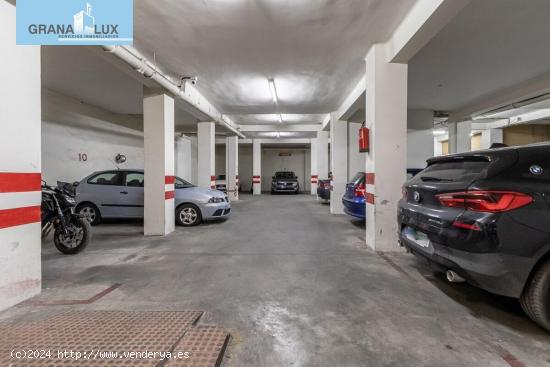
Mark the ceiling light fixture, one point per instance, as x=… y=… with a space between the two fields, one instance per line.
x=273 y=90
x=280 y=118
x=278 y=134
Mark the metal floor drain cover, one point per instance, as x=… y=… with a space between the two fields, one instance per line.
x=205 y=344
x=92 y=331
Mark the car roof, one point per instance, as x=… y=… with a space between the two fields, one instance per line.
x=489 y=154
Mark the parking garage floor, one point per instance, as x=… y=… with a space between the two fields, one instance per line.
x=294 y=286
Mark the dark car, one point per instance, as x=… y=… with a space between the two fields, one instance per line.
x=324 y=188
x=354 y=198
x=484 y=217
x=285 y=181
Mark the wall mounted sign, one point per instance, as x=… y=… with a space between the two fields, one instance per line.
x=75 y=22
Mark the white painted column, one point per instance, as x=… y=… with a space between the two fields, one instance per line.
x=206 y=155
x=463 y=136
x=20 y=166
x=452 y=127
x=158 y=133
x=338 y=162
x=386 y=163
x=257 y=167
x=232 y=167
x=490 y=137
x=322 y=155
x=313 y=167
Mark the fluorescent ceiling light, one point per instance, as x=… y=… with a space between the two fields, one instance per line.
x=273 y=91
x=278 y=134
x=439 y=132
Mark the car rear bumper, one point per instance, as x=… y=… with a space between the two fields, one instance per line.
x=216 y=210
x=356 y=208
x=323 y=194
x=492 y=272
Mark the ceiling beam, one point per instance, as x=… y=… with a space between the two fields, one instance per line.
x=423 y=21
x=280 y=127
x=353 y=102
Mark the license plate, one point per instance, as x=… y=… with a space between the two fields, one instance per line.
x=419 y=238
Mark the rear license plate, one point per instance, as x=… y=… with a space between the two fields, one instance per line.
x=418 y=238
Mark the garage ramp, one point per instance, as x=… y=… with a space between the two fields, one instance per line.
x=112 y=338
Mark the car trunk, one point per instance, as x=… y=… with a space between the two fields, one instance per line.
x=420 y=206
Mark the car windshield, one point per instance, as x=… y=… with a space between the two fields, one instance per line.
x=181 y=184
x=358 y=178
x=452 y=171
x=284 y=175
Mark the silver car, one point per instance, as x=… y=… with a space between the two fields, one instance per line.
x=119 y=194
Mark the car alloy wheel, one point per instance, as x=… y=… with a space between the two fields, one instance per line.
x=189 y=216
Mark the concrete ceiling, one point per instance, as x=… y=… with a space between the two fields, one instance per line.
x=490 y=45
x=288 y=119
x=314 y=50
x=81 y=73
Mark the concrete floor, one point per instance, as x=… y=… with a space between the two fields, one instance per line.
x=295 y=286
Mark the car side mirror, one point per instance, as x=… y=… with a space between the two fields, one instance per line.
x=76 y=183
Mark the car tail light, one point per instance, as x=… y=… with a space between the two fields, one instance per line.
x=322 y=185
x=469 y=226
x=360 y=190
x=485 y=201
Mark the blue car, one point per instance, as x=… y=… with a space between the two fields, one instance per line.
x=354 y=198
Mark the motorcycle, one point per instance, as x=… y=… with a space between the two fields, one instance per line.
x=72 y=232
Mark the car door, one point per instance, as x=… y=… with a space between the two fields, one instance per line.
x=133 y=198
x=104 y=190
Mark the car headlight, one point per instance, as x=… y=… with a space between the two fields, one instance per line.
x=69 y=199
x=216 y=200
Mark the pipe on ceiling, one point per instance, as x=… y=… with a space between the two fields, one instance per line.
x=143 y=66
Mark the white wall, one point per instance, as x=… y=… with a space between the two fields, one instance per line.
x=420 y=146
x=245 y=167
x=356 y=160
x=186 y=156
x=298 y=162
x=71 y=129
x=20 y=243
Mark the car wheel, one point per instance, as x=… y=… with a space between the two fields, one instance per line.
x=188 y=215
x=535 y=299
x=90 y=212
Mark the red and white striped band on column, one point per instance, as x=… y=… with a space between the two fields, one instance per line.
x=169 y=187
x=314 y=178
x=212 y=182
x=369 y=180
x=20 y=198
x=256 y=179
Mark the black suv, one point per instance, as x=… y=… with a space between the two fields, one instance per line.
x=484 y=217
x=285 y=181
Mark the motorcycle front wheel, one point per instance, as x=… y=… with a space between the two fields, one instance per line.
x=79 y=233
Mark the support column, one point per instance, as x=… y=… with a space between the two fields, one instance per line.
x=490 y=137
x=452 y=127
x=464 y=137
x=338 y=162
x=158 y=132
x=232 y=167
x=206 y=133
x=20 y=166
x=322 y=155
x=257 y=167
x=313 y=168
x=386 y=117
